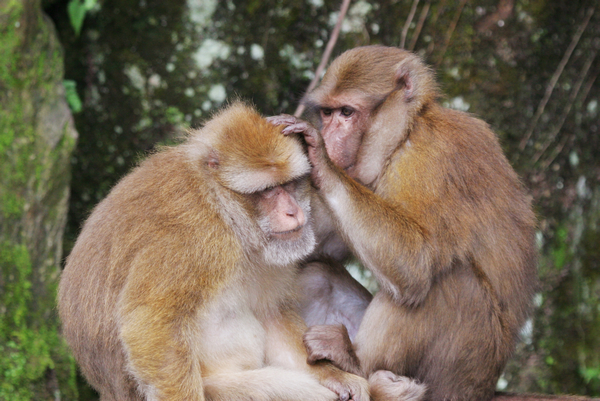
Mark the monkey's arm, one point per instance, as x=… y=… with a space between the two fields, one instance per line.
x=157 y=314
x=386 y=237
x=159 y=354
x=285 y=349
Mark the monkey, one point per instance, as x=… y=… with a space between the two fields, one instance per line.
x=180 y=285
x=424 y=197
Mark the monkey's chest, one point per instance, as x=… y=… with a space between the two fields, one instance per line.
x=231 y=339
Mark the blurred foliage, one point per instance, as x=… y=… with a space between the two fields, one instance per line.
x=77 y=10
x=146 y=70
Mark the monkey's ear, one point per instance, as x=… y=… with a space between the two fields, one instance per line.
x=404 y=79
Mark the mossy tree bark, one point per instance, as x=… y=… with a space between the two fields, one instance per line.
x=37 y=137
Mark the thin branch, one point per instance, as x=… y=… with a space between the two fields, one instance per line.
x=420 y=24
x=555 y=77
x=407 y=23
x=328 y=49
x=451 y=29
x=584 y=95
x=556 y=152
x=434 y=23
x=588 y=87
x=567 y=110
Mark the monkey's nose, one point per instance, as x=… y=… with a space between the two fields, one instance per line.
x=291 y=219
x=295 y=213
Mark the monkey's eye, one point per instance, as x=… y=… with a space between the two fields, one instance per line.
x=347 y=111
x=291 y=186
x=326 y=112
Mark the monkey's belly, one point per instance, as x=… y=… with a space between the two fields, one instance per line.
x=232 y=339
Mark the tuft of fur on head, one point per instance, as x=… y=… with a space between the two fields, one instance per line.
x=247 y=153
x=390 y=85
x=374 y=73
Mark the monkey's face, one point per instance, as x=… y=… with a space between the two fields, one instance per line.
x=284 y=218
x=266 y=173
x=343 y=119
x=342 y=127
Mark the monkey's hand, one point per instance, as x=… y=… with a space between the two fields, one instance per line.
x=385 y=385
x=347 y=386
x=317 y=154
x=331 y=343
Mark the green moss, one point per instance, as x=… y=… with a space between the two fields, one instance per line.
x=11 y=11
x=7 y=137
x=14 y=344
x=35 y=363
x=560 y=250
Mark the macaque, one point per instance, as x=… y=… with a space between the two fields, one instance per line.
x=424 y=197
x=181 y=283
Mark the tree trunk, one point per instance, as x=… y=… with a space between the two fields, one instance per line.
x=37 y=137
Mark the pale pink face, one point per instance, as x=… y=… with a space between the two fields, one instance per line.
x=342 y=129
x=280 y=206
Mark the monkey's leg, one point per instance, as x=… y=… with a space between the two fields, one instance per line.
x=266 y=384
x=457 y=355
x=329 y=295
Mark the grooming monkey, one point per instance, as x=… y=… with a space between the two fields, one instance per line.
x=424 y=197
x=181 y=283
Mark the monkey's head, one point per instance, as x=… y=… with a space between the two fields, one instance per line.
x=266 y=174
x=366 y=104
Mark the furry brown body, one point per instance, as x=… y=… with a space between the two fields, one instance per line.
x=180 y=286
x=424 y=197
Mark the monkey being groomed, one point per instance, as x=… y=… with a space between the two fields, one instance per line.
x=424 y=197
x=181 y=283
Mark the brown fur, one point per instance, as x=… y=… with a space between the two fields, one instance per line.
x=540 y=397
x=432 y=208
x=174 y=292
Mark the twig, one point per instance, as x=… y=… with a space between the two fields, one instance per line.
x=555 y=77
x=588 y=86
x=555 y=154
x=420 y=24
x=409 y=19
x=328 y=49
x=451 y=30
x=433 y=23
x=567 y=110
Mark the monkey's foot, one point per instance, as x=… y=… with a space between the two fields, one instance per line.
x=386 y=386
x=331 y=342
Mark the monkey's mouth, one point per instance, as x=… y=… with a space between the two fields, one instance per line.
x=288 y=235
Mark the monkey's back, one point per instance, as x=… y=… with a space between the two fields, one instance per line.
x=471 y=202
x=141 y=245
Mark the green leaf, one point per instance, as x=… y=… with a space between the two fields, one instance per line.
x=71 y=95
x=77 y=11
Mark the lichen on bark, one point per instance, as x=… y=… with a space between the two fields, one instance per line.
x=37 y=137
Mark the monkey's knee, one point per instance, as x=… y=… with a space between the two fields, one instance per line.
x=386 y=386
x=315 y=278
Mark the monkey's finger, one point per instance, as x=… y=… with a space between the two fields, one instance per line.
x=314 y=357
x=282 y=119
x=344 y=395
x=297 y=128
